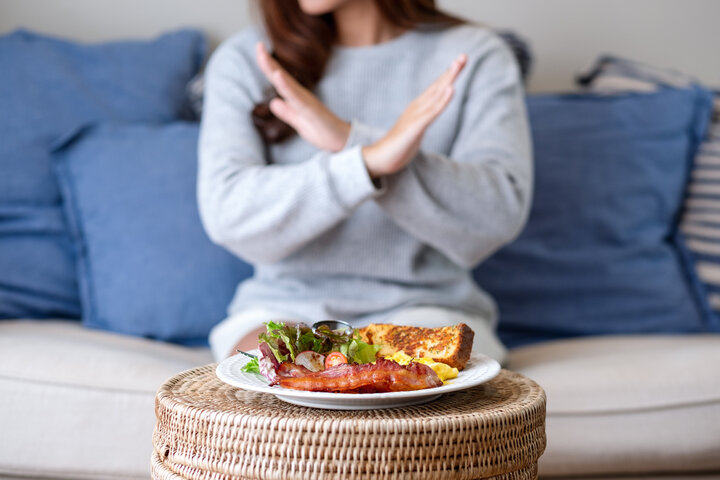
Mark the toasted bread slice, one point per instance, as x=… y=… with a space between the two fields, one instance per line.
x=450 y=345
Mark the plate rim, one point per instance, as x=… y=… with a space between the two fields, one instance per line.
x=231 y=362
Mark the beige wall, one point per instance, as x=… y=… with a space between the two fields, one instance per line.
x=566 y=35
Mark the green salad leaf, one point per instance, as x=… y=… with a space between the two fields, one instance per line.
x=252 y=366
x=274 y=345
x=307 y=340
x=358 y=351
x=285 y=334
x=287 y=341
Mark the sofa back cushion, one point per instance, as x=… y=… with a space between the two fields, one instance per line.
x=48 y=89
x=599 y=254
x=146 y=266
x=700 y=217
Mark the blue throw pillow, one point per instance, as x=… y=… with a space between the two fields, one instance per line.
x=699 y=222
x=48 y=89
x=145 y=264
x=600 y=252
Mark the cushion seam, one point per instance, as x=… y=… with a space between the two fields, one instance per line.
x=82 y=260
x=708 y=401
x=32 y=472
x=77 y=386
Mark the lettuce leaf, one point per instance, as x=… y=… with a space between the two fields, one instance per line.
x=286 y=334
x=287 y=341
x=252 y=366
x=275 y=347
x=358 y=351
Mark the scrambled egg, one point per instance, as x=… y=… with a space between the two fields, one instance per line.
x=443 y=370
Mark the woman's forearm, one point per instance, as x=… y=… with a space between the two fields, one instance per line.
x=265 y=213
x=466 y=211
x=476 y=198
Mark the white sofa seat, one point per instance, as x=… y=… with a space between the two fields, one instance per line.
x=77 y=403
x=627 y=404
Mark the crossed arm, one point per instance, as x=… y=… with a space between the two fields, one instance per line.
x=315 y=123
x=481 y=195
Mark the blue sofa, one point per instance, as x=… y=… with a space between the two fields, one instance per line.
x=108 y=284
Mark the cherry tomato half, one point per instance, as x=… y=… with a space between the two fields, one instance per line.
x=335 y=358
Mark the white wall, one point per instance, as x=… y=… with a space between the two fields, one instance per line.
x=566 y=35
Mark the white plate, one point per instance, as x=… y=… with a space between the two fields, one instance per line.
x=478 y=370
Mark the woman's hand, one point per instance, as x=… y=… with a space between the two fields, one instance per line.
x=400 y=145
x=300 y=109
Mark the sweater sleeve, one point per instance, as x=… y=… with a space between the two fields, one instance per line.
x=471 y=202
x=259 y=211
x=362 y=134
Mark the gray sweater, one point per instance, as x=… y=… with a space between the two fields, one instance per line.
x=325 y=242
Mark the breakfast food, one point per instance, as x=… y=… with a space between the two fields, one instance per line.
x=324 y=360
x=448 y=345
x=381 y=376
x=443 y=370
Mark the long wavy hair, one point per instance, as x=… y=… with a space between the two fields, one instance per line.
x=302 y=44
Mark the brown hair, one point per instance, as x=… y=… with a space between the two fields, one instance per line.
x=302 y=44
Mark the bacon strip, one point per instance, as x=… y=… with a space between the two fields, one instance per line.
x=382 y=376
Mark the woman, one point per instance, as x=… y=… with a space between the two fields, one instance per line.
x=392 y=159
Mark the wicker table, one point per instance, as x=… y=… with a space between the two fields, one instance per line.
x=207 y=429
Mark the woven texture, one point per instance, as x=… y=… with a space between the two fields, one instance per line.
x=207 y=429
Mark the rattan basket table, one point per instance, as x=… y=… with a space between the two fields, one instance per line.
x=207 y=429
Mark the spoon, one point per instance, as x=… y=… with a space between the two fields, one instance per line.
x=332 y=325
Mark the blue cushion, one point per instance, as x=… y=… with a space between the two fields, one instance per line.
x=48 y=89
x=699 y=221
x=600 y=253
x=145 y=264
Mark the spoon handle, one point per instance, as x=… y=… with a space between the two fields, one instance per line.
x=247 y=354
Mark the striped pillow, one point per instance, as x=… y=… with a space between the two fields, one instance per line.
x=700 y=216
